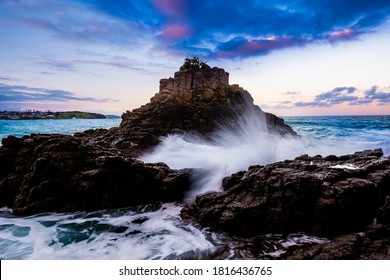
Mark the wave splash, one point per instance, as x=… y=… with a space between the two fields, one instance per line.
x=154 y=232
x=230 y=149
x=235 y=147
x=150 y=232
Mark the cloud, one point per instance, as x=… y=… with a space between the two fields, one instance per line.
x=350 y=95
x=343 y=35
x=127 y=10
x=277 y=105
x=40 y=24
x=293 y=23
x=380 y=95
x=15 y=93
x=242 y=47
x=82 y=21
x=176 y=32
x=312 y=104
x=211 y=29
x=176 y=9
x=118 y=62
x=65 y=65
x=292 y=93
x=46 y=73
x=336 y=96
x=327 y=99
x=8 y=79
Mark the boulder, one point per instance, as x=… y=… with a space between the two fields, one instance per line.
x=316 y=195
x=43 y=173
x=373 y=244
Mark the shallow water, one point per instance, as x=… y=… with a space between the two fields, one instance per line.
x=19 y=128
x=152 y=232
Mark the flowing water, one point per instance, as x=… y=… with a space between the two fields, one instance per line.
x=156 y=231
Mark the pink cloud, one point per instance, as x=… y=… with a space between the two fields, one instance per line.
x=342 y=35
x=171 y=8
x=263 y=46
x=176 y=31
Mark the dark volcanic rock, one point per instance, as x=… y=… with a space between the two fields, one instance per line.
x=321 y=196
x=96 y=169
x=197 y=101
x=60 y=173
x=374 y=244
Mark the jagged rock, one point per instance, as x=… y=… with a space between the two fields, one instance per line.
x=197 y=101
x=320 y=196
x=61 y=173
x=374 y=244
x=187 y=86
x=96 y=169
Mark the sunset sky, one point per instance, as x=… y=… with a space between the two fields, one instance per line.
x=299 y=57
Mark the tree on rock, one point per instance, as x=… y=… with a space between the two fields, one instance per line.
x=193 y=64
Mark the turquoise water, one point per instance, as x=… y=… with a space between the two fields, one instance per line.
x=360 y=131
x=157 y=231
x=357 y=132
x=69 y=126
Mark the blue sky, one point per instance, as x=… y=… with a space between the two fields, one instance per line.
x=295 y=57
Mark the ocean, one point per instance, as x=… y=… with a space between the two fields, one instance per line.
x=19 y=128
x=157 y=231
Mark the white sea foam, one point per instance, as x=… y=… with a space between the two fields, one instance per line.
x=232 y=149
x=345 y=166
x=123 y=234
x=158 y=234
x=161 y=233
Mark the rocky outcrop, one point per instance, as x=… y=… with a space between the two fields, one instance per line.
x=41 y=173
x=187 y=86
x=346 y=199
x=372 y=244
x=321 y=196
x=96 y=168
x=198 y=101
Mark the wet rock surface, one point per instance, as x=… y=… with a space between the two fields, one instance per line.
x=193 y=101
x=330 y=197
x=97 y=169
x=345 y=199
x=372 y=244
x=42 y=173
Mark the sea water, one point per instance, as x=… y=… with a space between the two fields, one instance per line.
x=157 y=231
x=19 y=128
x=251 y=143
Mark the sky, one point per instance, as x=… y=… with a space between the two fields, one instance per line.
x=296 y=58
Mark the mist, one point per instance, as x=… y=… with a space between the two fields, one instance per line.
x=234 y=148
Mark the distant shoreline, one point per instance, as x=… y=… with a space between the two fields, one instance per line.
x=48 y=115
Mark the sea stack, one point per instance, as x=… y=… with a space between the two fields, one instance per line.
x=98 y=169
x=197 y=99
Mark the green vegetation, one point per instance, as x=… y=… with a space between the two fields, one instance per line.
x=112 y=117
x=38 y=115
x=193 y=64
x=78 y=115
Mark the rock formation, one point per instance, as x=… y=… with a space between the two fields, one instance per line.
x=372 y=244
x=96 y=169
x=194 y=100
x=324 y=196
x=317 y=195
x=336 y=197
x=41 y=173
